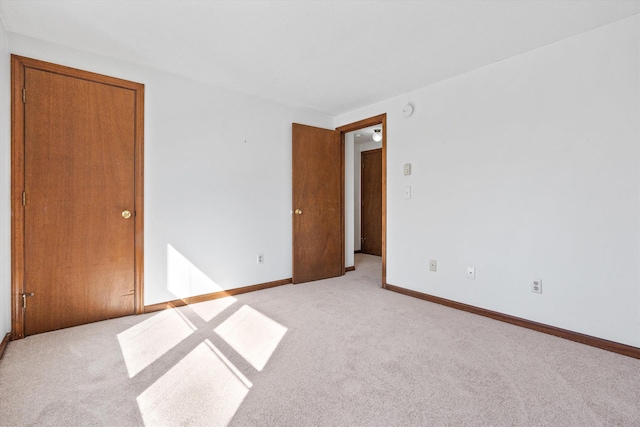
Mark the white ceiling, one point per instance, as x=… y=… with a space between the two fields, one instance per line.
x=328 y=56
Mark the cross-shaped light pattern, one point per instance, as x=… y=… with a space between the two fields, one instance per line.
x=201 y=386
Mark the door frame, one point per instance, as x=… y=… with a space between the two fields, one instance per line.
x=18 y=66
x=372 y=121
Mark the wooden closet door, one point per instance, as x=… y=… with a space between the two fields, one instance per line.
x=79 y=180
x=371 y=193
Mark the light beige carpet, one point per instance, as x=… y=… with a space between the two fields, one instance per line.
x=337 y=352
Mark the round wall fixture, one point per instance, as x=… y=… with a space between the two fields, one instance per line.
x=407 y=110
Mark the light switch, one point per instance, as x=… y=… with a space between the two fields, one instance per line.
x=407 y=169
x=407 y=192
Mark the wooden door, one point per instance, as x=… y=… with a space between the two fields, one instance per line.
x=318 y=195
x=371 y=194
x=79 y=204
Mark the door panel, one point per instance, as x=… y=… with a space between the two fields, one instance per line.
x=371 y=228
x=318 y=227
x=79 y=165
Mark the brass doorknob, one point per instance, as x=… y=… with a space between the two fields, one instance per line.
x=298 y=212
x=126 y=214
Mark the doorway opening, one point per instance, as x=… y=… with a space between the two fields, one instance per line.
x=365 y=191
x=323 y=199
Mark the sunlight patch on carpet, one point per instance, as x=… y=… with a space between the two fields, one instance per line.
x=252 y=334
x=207 y=310
x=147 y=341
x=200 y=390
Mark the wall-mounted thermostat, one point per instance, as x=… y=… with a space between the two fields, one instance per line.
x=407 y=169
x=407 y=110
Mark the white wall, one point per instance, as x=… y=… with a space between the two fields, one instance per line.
x=212 y=200
x=528 y=168
x=5 y=184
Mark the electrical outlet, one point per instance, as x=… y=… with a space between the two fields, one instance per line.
x=471 y=273
x=260 y=258
x=536 y=286
x=433 y=265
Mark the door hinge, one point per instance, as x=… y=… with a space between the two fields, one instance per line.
x=24 y=96
x=24 y=199
x=24 y=298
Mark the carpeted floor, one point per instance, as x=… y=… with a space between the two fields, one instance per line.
x=338 y=352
